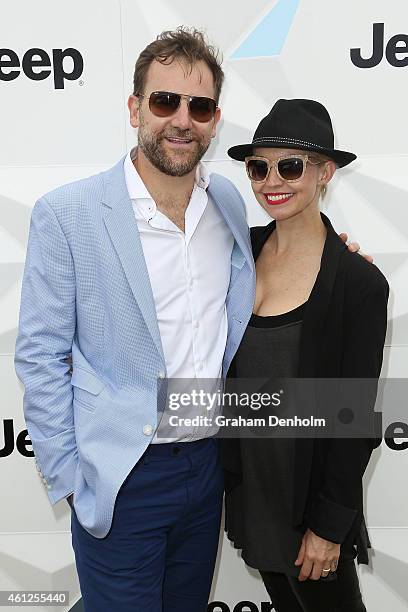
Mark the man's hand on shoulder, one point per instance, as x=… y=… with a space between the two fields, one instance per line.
x=354 y=247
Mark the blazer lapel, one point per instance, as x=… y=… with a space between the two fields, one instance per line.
x=122 y=227
x=318 y=303
x=314 y=318
x=241 y=291
x=225 y=200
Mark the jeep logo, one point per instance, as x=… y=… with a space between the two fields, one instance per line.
x=396 y=50
x=21 y=441
x=37 y=65
x=242 y=606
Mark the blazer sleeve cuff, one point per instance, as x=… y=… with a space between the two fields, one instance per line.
x=330 y=520
x=57 y=461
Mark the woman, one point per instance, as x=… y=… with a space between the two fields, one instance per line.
x=295 y=506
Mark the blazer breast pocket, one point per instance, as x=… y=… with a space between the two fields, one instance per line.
x=87 y=388
x=237 y=257
x=237 y=263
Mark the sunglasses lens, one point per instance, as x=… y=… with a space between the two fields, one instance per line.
x=202 y=109
x=257 y=169
x=163 y=103
x=166 y=103
x=290 y=169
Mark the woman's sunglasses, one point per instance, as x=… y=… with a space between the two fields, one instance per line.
x=289 y=168
x=166 y=103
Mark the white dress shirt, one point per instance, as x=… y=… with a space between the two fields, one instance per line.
x=189 y=274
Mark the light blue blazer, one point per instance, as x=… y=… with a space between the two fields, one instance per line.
x=86 y=292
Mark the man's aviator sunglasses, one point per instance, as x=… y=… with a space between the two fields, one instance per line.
x=166 y=103
x=289 y=168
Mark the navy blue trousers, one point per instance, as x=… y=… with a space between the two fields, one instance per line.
x=160 y=552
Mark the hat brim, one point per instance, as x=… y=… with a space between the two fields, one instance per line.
x=341 y=158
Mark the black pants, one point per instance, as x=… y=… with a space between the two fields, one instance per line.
x=288 y=594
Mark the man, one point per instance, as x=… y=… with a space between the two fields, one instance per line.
x=142 y=273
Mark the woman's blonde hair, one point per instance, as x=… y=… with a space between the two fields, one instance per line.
x=318 y=158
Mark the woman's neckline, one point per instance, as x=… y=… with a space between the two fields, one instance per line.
x=281 y=314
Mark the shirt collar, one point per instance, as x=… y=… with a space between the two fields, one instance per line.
x=136 y=187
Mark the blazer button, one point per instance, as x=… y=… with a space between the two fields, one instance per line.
x=147 y=429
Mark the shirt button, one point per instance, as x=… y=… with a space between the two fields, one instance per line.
x=161 y=374
x=147 y=429
x=49 y=486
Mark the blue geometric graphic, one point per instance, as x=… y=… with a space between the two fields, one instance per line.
x=269 y=36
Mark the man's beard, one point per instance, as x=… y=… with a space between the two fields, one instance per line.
x=152 y=147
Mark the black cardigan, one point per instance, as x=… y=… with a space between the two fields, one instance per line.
x=343 y=334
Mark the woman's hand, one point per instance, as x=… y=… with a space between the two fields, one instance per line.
x=315 y=555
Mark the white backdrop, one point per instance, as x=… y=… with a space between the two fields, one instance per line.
x=55 y=130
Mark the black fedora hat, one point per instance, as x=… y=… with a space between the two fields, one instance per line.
x=295 y=124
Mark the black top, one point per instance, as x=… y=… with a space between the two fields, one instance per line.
x=258 y=510
x=342 y=336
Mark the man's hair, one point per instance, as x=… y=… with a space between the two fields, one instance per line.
x=186 y=44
